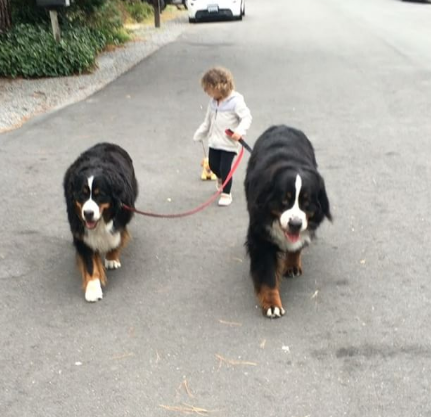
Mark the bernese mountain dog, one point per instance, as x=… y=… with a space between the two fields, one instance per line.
x=286 y=201
x=95 y=186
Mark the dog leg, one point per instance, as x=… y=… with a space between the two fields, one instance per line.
x=92 y=271
x=93 y=277
x=266 y=269
x=269 y=299
x=292 y=264
x=93 y=288
x=112 y=259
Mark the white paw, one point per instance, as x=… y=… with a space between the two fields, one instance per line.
x=112 y=264
x=93 y=292
x=275 y=312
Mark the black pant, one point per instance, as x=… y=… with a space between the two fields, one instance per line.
x=221 y=163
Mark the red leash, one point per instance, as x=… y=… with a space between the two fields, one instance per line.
x=199 y=208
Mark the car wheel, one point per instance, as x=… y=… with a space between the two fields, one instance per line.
x=192 y=20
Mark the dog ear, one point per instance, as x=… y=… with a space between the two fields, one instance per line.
x=259 y=192
x=71 y=184
x=121 y=192
x=117 y=197
x=116 y=202
x=266 y=185
x=323 y=200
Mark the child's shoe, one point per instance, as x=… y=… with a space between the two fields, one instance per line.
x=225 y=200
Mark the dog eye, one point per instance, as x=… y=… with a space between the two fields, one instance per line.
x=287 y=200
x=304 y=200
x=98 y=192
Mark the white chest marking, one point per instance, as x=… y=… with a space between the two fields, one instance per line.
x=102 y=238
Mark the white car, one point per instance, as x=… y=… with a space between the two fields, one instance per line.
x=209 y=9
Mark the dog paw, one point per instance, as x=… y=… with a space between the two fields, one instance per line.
x=93 y=292
x=269 y=299
x=275 y=312
x=293 y=271
x=112 y=264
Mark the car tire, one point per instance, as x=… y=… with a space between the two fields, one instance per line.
x=192 y=20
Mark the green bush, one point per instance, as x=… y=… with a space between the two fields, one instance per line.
x=106 y=18
x=31 y=51
x=139 y=11
x=26 y=11
x=118 y=37
x=88 y=6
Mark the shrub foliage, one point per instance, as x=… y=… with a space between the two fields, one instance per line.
x=29 y=49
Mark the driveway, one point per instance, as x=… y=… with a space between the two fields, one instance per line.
x=179 y=329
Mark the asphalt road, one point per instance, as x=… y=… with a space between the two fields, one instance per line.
x=179 y=325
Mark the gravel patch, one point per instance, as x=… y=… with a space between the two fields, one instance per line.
x=22 y=99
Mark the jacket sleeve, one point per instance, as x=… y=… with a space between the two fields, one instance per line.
x=202 y=131
x=244 y=115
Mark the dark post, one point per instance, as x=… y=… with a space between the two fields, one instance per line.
x=5 y=16
x=156 y=4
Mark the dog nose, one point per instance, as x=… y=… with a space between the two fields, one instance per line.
x=88 y=215
x=295 y=225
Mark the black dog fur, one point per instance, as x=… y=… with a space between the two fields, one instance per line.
x=286 y=201
x=95 y=186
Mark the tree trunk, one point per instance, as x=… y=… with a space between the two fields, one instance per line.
x=5 y=16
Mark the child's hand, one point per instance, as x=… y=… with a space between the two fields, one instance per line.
x=235 y=136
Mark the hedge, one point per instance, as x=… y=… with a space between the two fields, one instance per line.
x=31 y=51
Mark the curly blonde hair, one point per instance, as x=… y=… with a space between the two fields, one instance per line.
x=218 y=79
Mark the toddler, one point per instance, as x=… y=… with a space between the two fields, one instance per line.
x=226 y=110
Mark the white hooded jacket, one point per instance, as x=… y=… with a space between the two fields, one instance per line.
x=231 y=113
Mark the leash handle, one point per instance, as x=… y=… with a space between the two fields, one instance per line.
x=195 y=210
x=229 y=132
